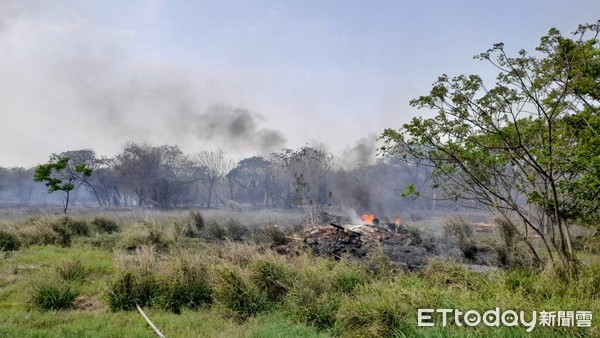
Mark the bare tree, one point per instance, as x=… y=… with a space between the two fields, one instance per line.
x=216 y=166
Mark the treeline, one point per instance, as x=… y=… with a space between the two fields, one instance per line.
x=164 y=177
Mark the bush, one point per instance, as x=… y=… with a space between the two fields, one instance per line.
x=127 y=288
x=54 y=295
x=105 y=225
x=240 y=295
x=9 y=241
x=72 y=270
x=185 y=285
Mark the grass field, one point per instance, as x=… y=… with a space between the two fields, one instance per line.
x=215 y=276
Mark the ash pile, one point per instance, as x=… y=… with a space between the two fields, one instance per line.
x=405 y=249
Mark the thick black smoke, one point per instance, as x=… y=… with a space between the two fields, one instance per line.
x=237 y=128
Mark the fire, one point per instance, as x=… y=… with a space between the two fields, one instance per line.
x=398 y=221
x=367 y=218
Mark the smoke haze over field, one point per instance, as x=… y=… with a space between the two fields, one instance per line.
x=249 y=78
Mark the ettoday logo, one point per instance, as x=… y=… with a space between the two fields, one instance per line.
x=495 y=317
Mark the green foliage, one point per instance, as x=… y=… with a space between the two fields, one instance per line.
x=72 y=270
x=488 y=147
x=52 y=294
x=64 y=235
x=185 y=285
x=9 y=241
x=61 y=175
x=272 y=277
x=131 y=287
x=237 y=292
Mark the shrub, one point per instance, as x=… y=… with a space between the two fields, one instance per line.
x=127 y=288
x=105 y=225
x=53 y=295
x=239 y=294
x=9 y=241
x=72 y=270
x=185 y=285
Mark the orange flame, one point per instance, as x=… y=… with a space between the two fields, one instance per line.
x=398 y=221
x=367 y=218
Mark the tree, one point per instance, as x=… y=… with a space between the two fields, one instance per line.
x=62 y=175
x=526 y=147
x=310 y=168
x=216 y=165
x=159 y=177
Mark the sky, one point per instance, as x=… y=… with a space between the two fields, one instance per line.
x=249 y=77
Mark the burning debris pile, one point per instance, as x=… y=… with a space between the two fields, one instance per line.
x=405 y=249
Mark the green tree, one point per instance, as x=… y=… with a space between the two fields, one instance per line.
x=61 y=175
x=526 y=147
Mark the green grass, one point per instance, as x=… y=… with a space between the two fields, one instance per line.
x=234 y=289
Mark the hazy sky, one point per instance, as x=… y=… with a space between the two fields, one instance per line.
x=245 y=76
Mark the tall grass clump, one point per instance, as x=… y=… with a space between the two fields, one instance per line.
x=512 y=251
x=77 y=227
x=146 y=234
x=72 y=270
x=105 y=225
x=195 y=218
x=135 y=281
x=376 y=311
x=314 y=296
x=237 y=292
x=463 y=231
x=272 y=277
x=53 y=294
x=128 y=288
x=453 y=275
x=185 y=284
x=235 y=230
x=276 y=235
x=9 y=241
